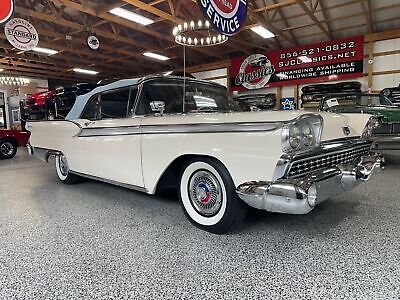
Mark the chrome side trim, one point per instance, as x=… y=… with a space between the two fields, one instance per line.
x=109 y=131
x=181 y=129
x=121 y=184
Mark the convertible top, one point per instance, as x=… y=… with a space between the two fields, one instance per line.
x=81 y=101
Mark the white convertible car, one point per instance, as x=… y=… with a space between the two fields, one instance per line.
x=140 y=134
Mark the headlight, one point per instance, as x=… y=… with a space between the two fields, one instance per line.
x=302 y=134
x=373 y=122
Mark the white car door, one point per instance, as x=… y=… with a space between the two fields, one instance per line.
x=112 y=140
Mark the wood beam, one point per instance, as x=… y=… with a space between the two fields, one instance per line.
x=325 y=14
x=314 y=18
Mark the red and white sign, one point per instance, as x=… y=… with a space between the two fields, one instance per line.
x=6 y=10
x=325 y=61
x=21 y=34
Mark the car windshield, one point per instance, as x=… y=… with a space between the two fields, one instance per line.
x=355 y=100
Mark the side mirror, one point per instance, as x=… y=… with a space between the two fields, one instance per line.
x=157 y=106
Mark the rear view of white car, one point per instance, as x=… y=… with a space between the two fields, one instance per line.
x=140 y=134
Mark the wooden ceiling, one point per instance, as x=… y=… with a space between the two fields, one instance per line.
x=63 y=25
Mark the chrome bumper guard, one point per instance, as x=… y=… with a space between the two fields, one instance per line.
x=301 y=195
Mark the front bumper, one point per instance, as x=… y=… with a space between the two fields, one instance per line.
x=386 y=142
x=301 y=195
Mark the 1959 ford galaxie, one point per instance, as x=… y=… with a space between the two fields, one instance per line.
x=140 y=134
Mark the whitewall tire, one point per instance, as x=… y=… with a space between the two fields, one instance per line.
x=63 y=171
x=208 y=196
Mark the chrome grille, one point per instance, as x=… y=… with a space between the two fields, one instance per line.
x=309 y=165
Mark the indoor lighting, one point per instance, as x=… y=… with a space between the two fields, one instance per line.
x=45 y=50
x=264 y=32
x=1 y=70
x=84 y=71
x=131 y=16
x=155 y=55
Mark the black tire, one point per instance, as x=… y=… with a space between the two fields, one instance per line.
x=63 y=172
x=208 y=196
x=8 y=148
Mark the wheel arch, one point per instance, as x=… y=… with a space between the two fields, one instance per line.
x=169 y=178
x=10 y=138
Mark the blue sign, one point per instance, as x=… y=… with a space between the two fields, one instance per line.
x=288 y=104
x=226 y=16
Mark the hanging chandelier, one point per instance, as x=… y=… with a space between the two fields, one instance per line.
x=14 y=80
x=198 y=33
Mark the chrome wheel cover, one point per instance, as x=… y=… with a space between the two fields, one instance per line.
x=205 y=193
x=63 y=165
x=7 y=148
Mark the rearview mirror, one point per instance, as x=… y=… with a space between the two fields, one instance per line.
x=157 y=106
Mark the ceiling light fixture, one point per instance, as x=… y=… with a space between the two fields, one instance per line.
x=155 y=55
x=85 y=71
x=131 y=16
x=197 y=34
x=262 y=31
x=45 y=50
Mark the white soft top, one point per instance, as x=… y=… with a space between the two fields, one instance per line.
x=81 y=101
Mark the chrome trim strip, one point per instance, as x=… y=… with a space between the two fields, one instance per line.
x=121 y=184
x=110 y=131
x=181 y=129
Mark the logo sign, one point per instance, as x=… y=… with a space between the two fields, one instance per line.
x=255 y=72
x=6 y=10
x=288 y=104
x=93 y=42
x=226 y=16
x=326 y=61
x=21 y=34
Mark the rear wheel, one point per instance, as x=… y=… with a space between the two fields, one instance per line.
x=63 y=171
x=8 y=148
x=208 y=196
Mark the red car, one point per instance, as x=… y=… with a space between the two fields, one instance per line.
x=37 y=103
x=10 y=140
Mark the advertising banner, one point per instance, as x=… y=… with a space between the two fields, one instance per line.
x=325 y=61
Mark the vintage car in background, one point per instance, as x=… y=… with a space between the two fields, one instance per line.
x=153 y=133
x=65 y=97
x=393 y=94
x=385 y=137
x=313 y=94
x=10 y=140
x=36 y=106
x=256 y=102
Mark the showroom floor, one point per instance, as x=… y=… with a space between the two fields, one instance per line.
x=97 y=241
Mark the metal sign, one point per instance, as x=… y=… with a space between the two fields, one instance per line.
x=93 y=42
x=21 y=34
x=6 y=10
x=226 y=16
x=332 y=60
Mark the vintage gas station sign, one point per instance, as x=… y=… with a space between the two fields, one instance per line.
x=325 y=61
x=226 y=16
x=6 y=10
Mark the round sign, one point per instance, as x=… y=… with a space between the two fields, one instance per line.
x=255 y=72
x=93 y=42
x=226 y=16
x=6 y=10
x=21 y=34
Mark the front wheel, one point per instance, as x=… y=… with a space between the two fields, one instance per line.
x=8 y=149
x=208 y=196
x=63 y=171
